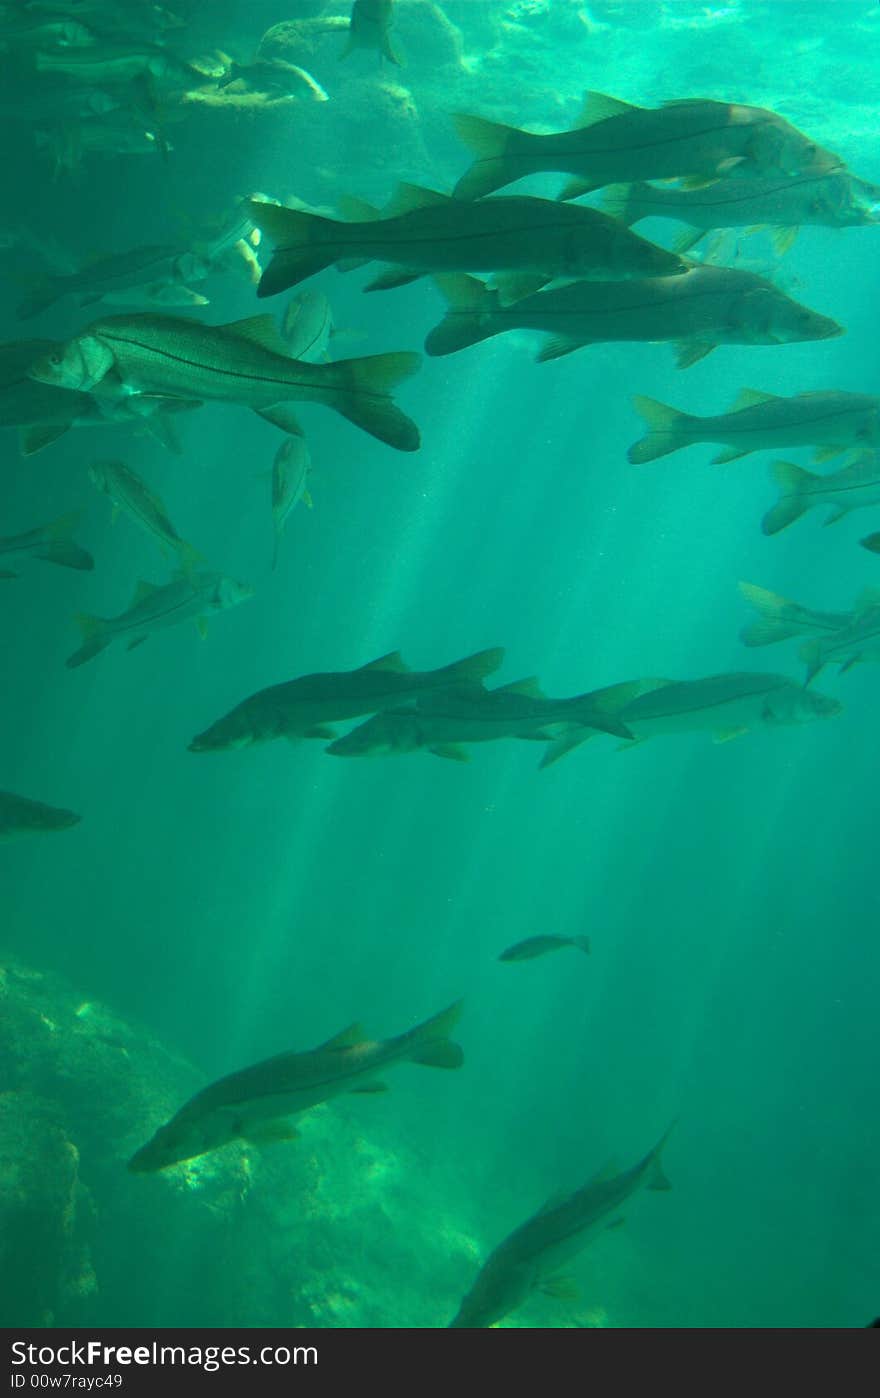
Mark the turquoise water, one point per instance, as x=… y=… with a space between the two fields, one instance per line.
x=229 y=906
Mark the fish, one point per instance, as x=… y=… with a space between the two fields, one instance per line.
x=441 y=723
x=108 y=62
x=616 y=142
x=132 y=495
x=424 y=232
x=51 y=543
x=245 y=362
x=540 y=946
x=828 y=419
x=305 y=707
x=255 y=1103
x=726 y=705
x=706 y=307
x=307 y=325
x=290 y=471
x=21 y=816
x=531 y=1258
x=850 y=645
x=780 y=203
x=190 y=596
x=370 y=28
x=779 y=618
x=145 y=273
x=852 y=488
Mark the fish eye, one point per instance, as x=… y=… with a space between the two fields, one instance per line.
x=55 y=359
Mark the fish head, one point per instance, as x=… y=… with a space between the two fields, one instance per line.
x=862 y=203
x=185 y=1137
x=240 y=728
x=777 y=146
x=383 y=735
x=80 y=364
x=501 y=1287
x=764 y=315
x=228 y=593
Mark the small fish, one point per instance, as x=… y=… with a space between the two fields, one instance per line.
x=540 y=946
x=852 y=488
x=131 y=494
x=726 y=705
x=254 y=1104
x=191 y=596
x=370 y=28
x=303 y=708
x=616 y=142
x=532 y=1257
x=246 y=362
x=290 y=472
x=21 y=816
x=706 y=307
x=424 y=232
x=829 y=419
x=52 y=543
x=780 y=618
x=829 y=199
x=151 y=273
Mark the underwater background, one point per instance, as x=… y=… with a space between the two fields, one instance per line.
x=212 y=910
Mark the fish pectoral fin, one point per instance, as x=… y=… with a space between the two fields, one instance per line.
x=443 y=1053
x=687 y=239
x=783 y=239
x=138 y=641
x=826 y=453
x=730 y=454
x=561 y=1288
x=346 y=1038
x=370 y=1087
x=689 y=352
x=453 y=751
x=658 y=1179
x=557 y=346
x=202 y=626
x=392 y=277
x=615 y=1223
x=33 y=439
x=269 y=1133
x=726 y=735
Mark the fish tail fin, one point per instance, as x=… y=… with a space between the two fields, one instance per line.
x=40 y=297
x=774 y=612
x=188 y=556
x=603 y=711
x=60 y=547
x=871 y=542
x=664 y=430
x=489 y=141
x=620 y=201
x=657 y=1178
x=430 y=1044
x=292 y=231
x=94 y=638
x=583 y=943
x=365 y=398
x=811 y=654
x=794 y=483
x=475 y=668
x=468 y=319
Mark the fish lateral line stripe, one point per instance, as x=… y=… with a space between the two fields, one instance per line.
x=698 y=708
x=427 y=239
x=240 y=374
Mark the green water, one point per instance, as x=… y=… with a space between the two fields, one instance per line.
x=233 y=905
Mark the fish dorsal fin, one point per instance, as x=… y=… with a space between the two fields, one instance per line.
x=355 y=210
x=143 y=590
x=393 y=663
x=516 y=286
x=531 y=687
x=868 y=598
x=346 y=1038
x=598 y=106
x=259 y=330
x=407 y=197
x=750 y=397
